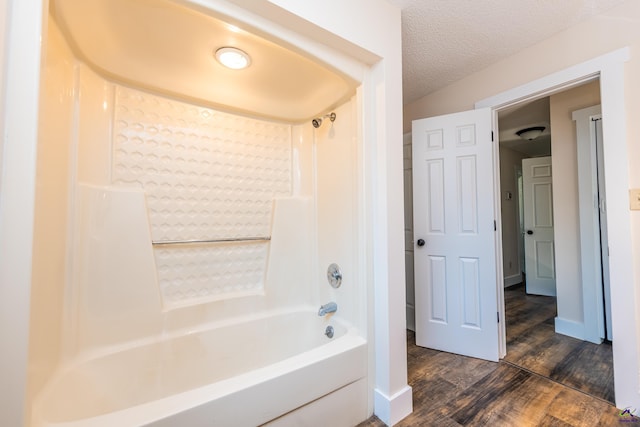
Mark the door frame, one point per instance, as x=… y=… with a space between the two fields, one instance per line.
x=609 y=69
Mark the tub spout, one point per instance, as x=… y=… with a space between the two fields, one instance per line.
x=330 y=307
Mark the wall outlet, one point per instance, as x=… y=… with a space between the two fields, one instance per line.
x=634 y=199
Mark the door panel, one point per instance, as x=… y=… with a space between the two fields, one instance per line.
x=538 y=223
x=455 y=270
x=437 y=284
x=470 y=284
x=435 y=195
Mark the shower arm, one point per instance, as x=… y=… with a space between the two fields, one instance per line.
x=317 y=122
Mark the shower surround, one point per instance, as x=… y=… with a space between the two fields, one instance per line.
x=206 y=175
x=196 y=242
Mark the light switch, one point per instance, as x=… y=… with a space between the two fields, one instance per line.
x=634 y=199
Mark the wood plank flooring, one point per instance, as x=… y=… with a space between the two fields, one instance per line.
x=533 y=388
x=532 y=344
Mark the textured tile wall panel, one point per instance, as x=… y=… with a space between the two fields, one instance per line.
x=207 y=175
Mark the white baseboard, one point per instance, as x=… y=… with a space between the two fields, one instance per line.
x=569 y=328
x=512 y=280
x=392 y=409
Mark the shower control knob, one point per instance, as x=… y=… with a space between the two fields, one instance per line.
x=420 y=242
x=334 y=275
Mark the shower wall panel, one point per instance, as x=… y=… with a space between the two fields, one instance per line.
x=337 y=199
x=207 y=175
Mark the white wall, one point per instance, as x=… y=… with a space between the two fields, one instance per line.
x=565 y=204
x=4 y=35
x=19 y=108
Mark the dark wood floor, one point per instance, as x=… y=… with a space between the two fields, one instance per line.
x=532 y=344
x=543 y=381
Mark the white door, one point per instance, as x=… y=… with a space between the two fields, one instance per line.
x=454 y=234
x=538 y=225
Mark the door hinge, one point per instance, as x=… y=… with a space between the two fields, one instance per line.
x=495 y=226
x=498 y=316
x=492 y=136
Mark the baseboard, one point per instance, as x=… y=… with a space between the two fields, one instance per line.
x=411 y=318
x=392 y=409
x=569 y=328
x=512 y=280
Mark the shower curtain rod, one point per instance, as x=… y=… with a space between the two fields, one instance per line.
x=228 y=240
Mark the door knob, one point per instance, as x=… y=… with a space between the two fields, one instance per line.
x=529 y=232
x=421 y=242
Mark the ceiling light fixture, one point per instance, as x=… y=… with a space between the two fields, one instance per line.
x=530 y=133
x=233 y=58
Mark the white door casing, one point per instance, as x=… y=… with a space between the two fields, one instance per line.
x=454 y=233
x=538 y=226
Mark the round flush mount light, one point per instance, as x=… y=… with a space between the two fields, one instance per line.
x=233 y=58
x=530 y=133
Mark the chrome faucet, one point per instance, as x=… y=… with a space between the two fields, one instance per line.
x=330 y=307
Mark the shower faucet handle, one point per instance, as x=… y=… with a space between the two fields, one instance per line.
x=334 y=275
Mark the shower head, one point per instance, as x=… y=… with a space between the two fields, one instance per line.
x=317 y=122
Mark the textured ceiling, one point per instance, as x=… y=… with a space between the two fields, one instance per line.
x=446 y=40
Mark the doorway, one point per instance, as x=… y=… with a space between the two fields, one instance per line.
x=609 y=68
x=513 y=151
x=540 y=336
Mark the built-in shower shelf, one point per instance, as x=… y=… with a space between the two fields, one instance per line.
x=226 y=240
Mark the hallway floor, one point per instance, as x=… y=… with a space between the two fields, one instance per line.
x=539 y=383
x=532 y=344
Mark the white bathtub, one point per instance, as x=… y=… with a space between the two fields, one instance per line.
x=243 y=374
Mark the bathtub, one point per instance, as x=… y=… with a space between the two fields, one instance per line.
x=268 y=366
